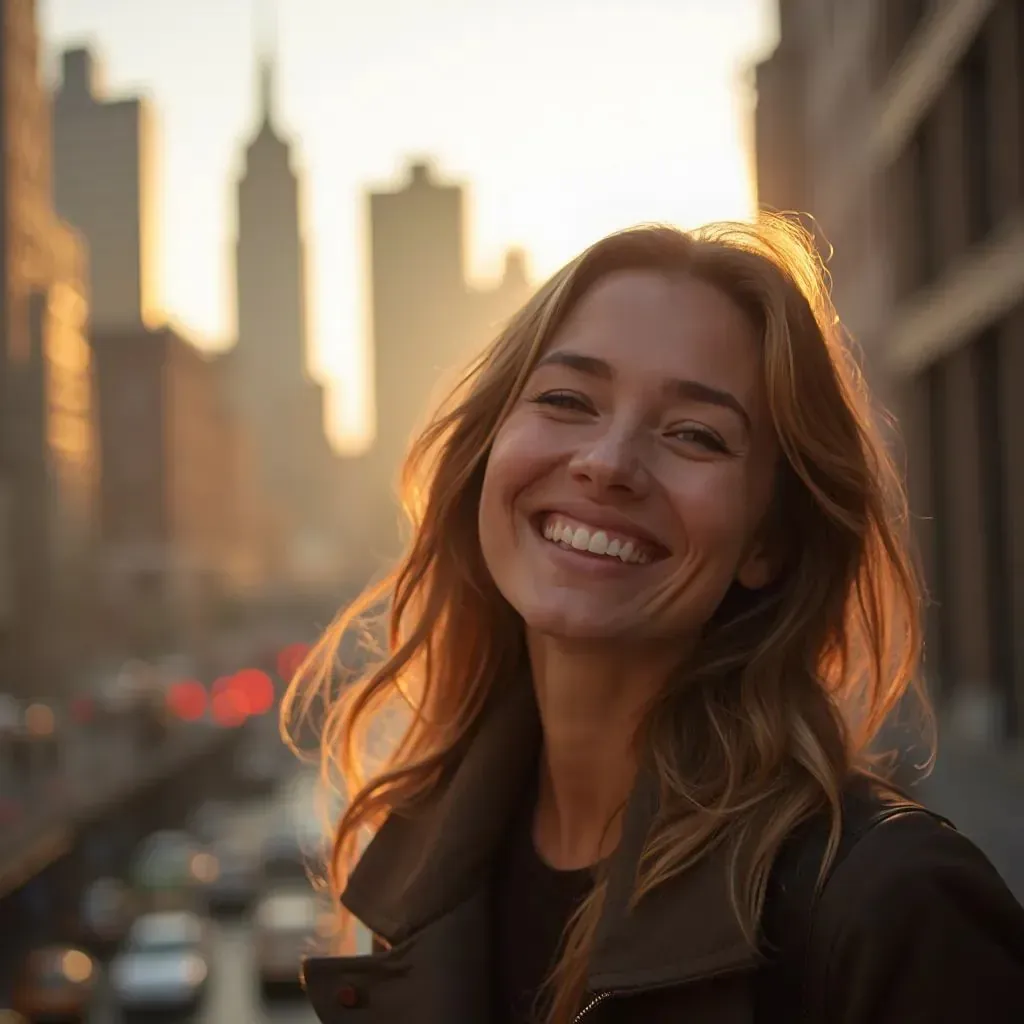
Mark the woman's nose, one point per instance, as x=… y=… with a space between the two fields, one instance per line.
x=611 y=462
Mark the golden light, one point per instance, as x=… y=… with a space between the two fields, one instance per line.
x=326 y=925
x=39 y=720
x=77 y=966
x=204 y=868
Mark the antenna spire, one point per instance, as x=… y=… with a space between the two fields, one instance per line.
x=265 y=38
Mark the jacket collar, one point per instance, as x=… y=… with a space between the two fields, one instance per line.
x=420 y=866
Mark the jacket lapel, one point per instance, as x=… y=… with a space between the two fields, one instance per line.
x=422 y=866
x=684 y=930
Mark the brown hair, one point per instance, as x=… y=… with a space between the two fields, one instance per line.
x=789 y=686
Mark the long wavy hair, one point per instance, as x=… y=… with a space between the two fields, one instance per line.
x=789 y=685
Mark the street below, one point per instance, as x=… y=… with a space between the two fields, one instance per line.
x=233 y=992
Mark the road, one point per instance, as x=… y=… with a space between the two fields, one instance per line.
x=233 y=996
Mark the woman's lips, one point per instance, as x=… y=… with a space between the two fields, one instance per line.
x=589 y=538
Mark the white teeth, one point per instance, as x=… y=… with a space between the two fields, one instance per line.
x=581 y=539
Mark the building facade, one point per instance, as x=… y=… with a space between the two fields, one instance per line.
x=48 y=453
x=104 y=182
x=183 y=528
x=899 y=124
x=281 y=406
x=428 y=320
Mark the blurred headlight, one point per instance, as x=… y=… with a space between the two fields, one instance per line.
x=77 y=966
x=195 y=970
x=204 y=868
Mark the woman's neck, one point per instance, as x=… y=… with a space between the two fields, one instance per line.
x=591 y=703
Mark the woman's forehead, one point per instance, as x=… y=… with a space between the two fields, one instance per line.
x=643 y=321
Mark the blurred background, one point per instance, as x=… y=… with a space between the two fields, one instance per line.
x=243 y=248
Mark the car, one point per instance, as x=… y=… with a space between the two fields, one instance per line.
x=233 y=877
x=106 y=916
x=56 y=983
x=165 y=965
x=168 y=870
x=288 y=924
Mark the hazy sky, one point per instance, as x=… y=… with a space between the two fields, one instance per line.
x=570 y=118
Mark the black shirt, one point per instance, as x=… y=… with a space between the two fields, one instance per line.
x=532 y=906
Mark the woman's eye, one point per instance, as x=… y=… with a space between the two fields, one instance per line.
x=705 y=438
x=562 y=400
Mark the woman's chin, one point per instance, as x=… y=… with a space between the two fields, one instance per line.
x=580 y=625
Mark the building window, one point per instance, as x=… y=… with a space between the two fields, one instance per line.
x=975 y=74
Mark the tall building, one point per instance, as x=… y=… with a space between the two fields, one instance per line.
x=184 y=530
x=907 y=126
x=48 y=465
x=281 y=405
x=428 y=319
x=105 y=167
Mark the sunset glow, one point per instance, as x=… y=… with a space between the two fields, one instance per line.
x=566 y=127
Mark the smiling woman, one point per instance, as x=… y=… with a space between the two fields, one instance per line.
x=655 y=608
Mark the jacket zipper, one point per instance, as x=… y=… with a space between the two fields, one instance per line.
x=600 y=997
x=596 y=1000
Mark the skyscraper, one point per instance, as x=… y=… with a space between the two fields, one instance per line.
x=282 y=406
x=899 y=126
x=47 y=427
x=104 y=155
x=428 y=319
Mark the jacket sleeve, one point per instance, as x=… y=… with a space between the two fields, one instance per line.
x=916 y=927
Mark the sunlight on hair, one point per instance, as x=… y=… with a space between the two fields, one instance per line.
x=789 y=685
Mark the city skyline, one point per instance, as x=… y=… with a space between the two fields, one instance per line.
x=361 y=92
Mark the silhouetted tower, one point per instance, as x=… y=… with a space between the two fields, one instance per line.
x=282 y=406
x=272 y=314
x=105 y=180
x=419 y=289
x=428 y=319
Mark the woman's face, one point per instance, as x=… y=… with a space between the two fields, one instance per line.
x=638 y=461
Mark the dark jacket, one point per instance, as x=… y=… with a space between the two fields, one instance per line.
x=914 y=924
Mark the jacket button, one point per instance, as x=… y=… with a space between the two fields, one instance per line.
x=348 y=996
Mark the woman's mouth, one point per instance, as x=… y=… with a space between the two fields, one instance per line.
x=585 y=538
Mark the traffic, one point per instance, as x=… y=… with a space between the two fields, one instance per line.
x=211 y=923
